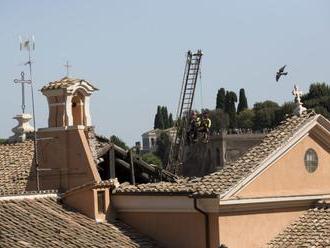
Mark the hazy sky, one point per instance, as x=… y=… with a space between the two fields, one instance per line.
x=134 y=52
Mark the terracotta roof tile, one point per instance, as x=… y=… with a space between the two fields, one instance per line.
x=45 y=223
x=221 y=181
x=64 y=83
x=311 y=230
x=15 y=167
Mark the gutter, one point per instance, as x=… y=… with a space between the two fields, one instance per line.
x=206 y=221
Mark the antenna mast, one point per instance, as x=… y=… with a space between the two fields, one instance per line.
x=28 y=44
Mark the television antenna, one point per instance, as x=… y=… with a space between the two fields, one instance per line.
x=28 y=44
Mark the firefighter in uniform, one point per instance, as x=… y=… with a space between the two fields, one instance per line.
x=194 y=126
x=205 y=126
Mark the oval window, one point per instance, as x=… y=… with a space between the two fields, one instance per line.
x=311 y=160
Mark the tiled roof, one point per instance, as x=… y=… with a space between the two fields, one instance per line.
x=15 y=167
x=64 y=83
x=311 y=230
x=223 y=180
x=45 y=223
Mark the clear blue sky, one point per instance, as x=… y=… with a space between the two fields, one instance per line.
x=133 y=51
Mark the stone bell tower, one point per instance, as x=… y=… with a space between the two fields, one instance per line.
x=68 y=102
x=65 y=156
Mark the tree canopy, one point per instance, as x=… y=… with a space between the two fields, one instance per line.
x=151 y=158
x=230 y=108
x=117 y=141
x=318 y=98
x=163 y=147
x=220 y=103
x=163 y=120
x=242 y=103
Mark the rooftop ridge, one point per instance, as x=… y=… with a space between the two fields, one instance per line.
x=30 y=195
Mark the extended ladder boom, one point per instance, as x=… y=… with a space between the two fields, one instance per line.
x=190 y=76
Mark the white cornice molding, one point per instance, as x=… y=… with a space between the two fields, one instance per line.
x=272 y=158
x=267 y=203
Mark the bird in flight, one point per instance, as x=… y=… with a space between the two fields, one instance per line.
x=280 y=73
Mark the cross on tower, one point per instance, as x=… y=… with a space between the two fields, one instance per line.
x=67 y=66
x=22 y=81
x=297 y=93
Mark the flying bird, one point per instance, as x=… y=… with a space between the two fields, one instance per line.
x=280 y=73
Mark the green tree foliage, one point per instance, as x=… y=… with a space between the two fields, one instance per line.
x=265 y=114
x=284 y=111
x=317 y=90
x=220 y=104
x=219 y=119
x=159 y=120
x=163 y=120
x=245 y=119
x=318 y=98
x=163 y=147
x=2 y=141
x=151 y=158
x=230 y=108
x=170 y=120
x=165 y=117
x=117 y=141
x=242 y=103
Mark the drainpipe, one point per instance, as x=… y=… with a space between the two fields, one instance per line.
x=206 y=221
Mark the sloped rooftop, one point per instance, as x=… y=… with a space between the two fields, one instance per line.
x=221 y=181
x=44 y=222
x=16 y=162
x=311 y=230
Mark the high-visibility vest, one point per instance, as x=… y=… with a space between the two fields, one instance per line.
x=206 y=122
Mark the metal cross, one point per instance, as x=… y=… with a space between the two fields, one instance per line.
x=22 y=81
x=67 y=65
x=297 y=93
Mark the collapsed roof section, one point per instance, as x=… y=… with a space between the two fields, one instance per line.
x=116 y=162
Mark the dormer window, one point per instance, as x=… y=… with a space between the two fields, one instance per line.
x=101 y=202
x=311 y=160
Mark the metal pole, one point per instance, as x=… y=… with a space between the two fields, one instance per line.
x=34 y=123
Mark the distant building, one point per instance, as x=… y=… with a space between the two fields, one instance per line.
x=149 y=138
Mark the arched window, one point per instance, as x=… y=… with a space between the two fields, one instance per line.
x=78 y=109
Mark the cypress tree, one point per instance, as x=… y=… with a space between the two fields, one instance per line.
x=156 y=121
x=230 y=109
x=242 y=104
x=221 y=99
x=170 y=120
x=165 y=117
x=159 y=120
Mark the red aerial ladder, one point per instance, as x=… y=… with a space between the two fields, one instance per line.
x=190 y=76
